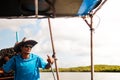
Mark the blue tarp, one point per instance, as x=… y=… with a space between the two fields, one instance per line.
x=86 y=7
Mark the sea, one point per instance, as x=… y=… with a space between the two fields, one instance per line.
x=80 y=76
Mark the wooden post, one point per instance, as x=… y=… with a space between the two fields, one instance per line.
x=54 y=53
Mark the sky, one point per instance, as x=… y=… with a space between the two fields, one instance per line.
x=71 y=37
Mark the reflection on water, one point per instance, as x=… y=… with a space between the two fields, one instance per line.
x=81 y=76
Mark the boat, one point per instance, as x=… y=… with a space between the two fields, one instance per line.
x=5 y=55
x=50 y=9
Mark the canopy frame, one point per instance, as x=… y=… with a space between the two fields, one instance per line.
x=90 y=25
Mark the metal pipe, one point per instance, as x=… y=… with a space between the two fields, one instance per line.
x=100 y=6
x=17 y=37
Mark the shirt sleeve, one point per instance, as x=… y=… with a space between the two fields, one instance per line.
x=9 y=65
x=41 y=63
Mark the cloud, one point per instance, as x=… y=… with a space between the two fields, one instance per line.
x=14 y=24
x=71 y=35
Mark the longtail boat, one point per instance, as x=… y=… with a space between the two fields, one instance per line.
x=49 y=9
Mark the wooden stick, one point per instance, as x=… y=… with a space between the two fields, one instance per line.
x=11 y=77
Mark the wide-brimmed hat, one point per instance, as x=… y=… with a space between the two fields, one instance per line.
x=18 y=46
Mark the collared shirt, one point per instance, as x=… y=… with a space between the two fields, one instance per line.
x=25 y=69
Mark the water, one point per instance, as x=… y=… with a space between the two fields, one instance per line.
x=81 y=76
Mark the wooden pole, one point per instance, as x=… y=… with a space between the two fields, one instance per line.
x=36 y=8
x=91 y=43
x=91 y=47
x=54 y=53
x=6 y=78
x=91 y=36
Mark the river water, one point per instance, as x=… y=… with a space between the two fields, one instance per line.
x=81 y=76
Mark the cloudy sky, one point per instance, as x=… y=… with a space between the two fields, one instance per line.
x=71 y=37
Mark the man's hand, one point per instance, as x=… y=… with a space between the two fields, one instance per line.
x=1 y=71
x=50 y=59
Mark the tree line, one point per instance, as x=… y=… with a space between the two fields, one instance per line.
x=97 y=68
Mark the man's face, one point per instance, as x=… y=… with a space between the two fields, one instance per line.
x=26 y=49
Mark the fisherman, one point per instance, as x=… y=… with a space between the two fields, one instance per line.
x=26 y=64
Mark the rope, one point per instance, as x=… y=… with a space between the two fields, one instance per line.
x=52 y=72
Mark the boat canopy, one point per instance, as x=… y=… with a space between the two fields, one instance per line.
x=49 y=8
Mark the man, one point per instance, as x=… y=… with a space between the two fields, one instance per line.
x=26 y=64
